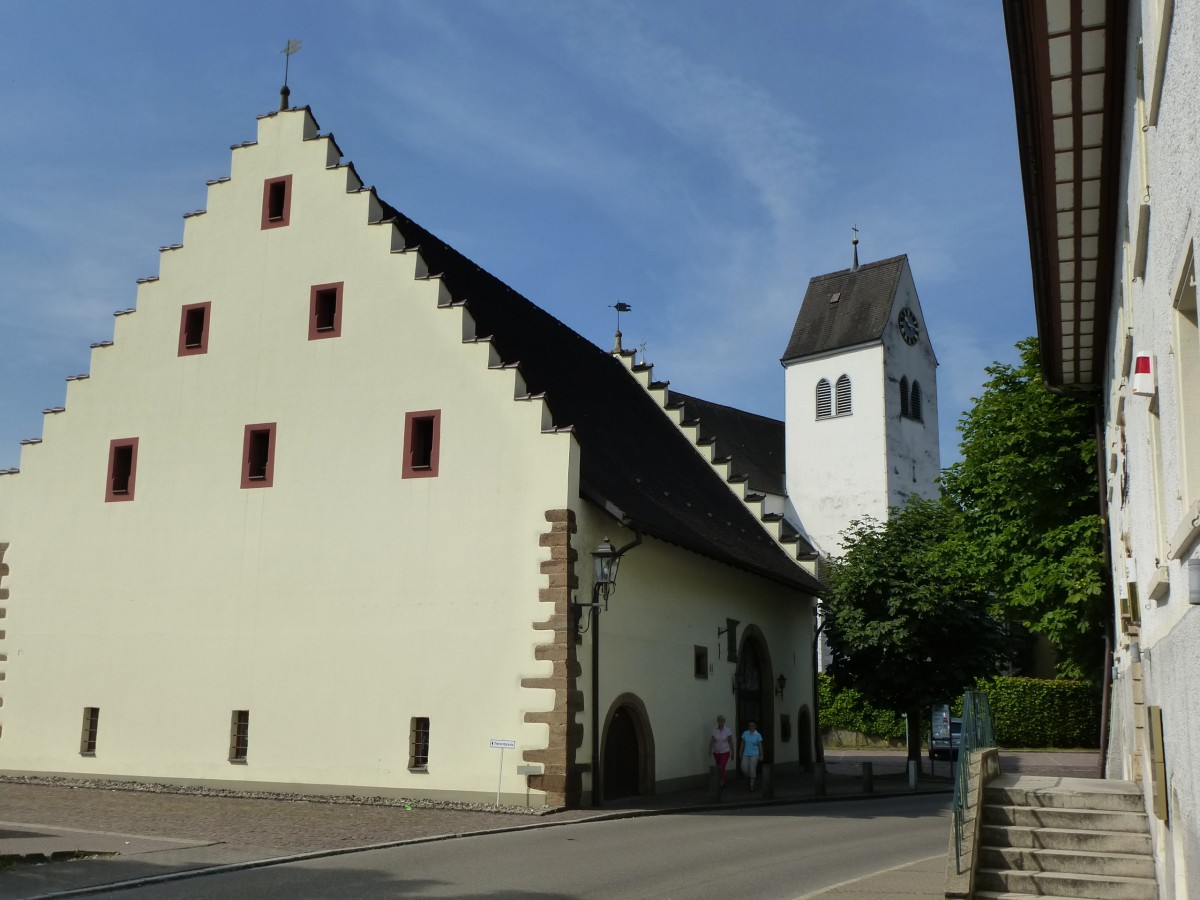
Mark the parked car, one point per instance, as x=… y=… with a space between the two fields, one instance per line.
x=945 y=736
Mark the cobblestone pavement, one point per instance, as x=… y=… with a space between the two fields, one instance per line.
x=281 y=825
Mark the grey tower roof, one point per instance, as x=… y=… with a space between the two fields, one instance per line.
x=858 y=315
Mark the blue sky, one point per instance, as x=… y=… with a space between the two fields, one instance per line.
x=698 y=160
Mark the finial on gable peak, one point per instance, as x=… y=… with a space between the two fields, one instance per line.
x=292 y=46
x=854 y=268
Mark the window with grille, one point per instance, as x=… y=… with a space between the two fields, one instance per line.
x=239 y=735
x=904 y=397
x=824 y=400
x=842 y=396
x=91 y=724
x=418 y=743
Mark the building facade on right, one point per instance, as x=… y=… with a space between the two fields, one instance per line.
x=1108 y=123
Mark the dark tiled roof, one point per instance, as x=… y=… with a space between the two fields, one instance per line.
x=859 y=315
x=632 y=455
x=754 y=443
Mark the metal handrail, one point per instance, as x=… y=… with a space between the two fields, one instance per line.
x=976 y=735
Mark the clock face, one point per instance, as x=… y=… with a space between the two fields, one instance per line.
x=910 y=330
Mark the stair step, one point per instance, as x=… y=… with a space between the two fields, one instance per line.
x=1071 y=794
x=1062 y=884
x=1032 y=837
x=1082 y=862
x=1051 y=817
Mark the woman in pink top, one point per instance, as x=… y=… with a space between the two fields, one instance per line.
x=721 y=747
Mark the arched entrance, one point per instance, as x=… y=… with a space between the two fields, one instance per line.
x=755 y=698
x=628 y=751
x=804 y=739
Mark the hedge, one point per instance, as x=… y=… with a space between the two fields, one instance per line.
x=1026 y=712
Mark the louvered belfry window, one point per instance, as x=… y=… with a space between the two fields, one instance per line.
x=824 y=400
x=914 y=404
x=904 y=397
x=843 y=396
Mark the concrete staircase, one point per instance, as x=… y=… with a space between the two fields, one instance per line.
x=1043 y=837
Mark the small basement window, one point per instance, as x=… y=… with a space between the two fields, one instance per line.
x=258 y=455
x=91 y=725
x=193 y=329
x=277 y=202
x=325 y=311
x=422 y=435
x=239 y=735
x=122 y=470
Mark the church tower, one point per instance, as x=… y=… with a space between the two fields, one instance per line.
x=861 y=400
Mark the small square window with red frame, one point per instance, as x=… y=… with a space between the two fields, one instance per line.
x=193 y=328
x=122 y=470
x=277 y=202
x=325 y=311
x=258 y=456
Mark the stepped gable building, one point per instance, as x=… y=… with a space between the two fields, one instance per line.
x=1108 y=129
x=321 y=518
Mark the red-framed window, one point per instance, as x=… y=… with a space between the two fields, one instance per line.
x=325 y=311
x=422 y=437
x=193 y=328
x=277 y=202
x=258 y=456
x=122 y=470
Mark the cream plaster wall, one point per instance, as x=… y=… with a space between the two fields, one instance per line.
x=1149 y=508
x=338 y=603
x=668 y=601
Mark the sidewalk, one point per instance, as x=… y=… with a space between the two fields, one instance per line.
x=126 y=834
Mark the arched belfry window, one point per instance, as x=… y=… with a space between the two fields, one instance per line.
x=842 y=396
x=824 y=399
x=914 y=402
x=904 y=396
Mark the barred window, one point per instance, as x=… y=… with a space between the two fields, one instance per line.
x=418 y=743
x=904 y=396
x=842 y=393
x=91 y=725
x=824 y=400
x=239 y=735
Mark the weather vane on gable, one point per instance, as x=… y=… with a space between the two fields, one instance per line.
x=620 y=307
x=291 y=47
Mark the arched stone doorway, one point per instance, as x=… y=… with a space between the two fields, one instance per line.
x=755 y=694
x=627 y=751
x=804 y=739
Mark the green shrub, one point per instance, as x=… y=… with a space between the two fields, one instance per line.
x=1033 y=712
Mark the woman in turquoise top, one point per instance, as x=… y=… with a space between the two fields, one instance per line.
x=751 y=752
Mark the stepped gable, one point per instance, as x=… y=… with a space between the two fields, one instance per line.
x=632 y=456
x=859 y=315
x=755 y=443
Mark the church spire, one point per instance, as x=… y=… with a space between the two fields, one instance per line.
x=854 y=268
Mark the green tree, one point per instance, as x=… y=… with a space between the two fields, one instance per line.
x=1026 y=485
x=907 y=616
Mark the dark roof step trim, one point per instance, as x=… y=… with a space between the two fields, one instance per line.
x=660 y=386
x=738 y=478
x=772 y=517
x=754 y=498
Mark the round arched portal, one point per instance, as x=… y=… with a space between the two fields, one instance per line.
x=627 y=750
x=755 y=697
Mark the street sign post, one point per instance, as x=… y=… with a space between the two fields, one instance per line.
x=501 y=745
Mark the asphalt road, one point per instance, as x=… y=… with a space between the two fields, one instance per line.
x=782 y=852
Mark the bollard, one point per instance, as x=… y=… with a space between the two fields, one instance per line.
x=868 y=778
x=714 y=783
x=768 y=783
x=819 y=779
x=912 y=775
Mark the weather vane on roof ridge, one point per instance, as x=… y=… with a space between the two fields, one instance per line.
x=620 y=307
x=292 y=46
